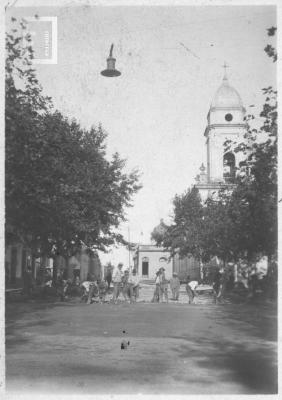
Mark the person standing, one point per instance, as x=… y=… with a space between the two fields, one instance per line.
x=156 y=297
x=125 y=285
x=219 y=285
x=133 y=282
x=191 y=289
x=102 y=286
x=117 y=281
x=60 y=284
x=163 y=286
x=175 y=286
x=109 y=278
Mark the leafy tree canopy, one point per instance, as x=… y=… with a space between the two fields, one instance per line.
x=61 y=189
x=241 y=222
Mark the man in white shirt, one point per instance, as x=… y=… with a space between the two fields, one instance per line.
x=133 y=282
x=191 y=290
x=117 y=279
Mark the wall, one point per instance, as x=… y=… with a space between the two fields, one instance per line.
x=216 y=149
x=17 y=259
x=154 y=263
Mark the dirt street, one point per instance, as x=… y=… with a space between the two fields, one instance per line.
x=174 y=348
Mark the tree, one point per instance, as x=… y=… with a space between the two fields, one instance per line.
x=200 y=230
x=62 y=190
x=218 y=234
x=186 y=232
x=241 y=222
x=254 y=200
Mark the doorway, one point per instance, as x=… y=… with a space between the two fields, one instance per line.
x=145 y=267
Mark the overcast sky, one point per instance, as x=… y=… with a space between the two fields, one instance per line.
x=155 y=112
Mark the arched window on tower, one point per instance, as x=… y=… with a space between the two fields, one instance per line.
x=229 y=169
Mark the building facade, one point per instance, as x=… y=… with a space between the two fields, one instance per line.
x=148 y=259
x=225 y=126
x=18 y=258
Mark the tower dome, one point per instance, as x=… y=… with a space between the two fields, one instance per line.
x=226 y=96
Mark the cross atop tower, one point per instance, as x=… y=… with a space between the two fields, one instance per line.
x=225 y=66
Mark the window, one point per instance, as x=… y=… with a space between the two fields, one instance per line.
x=229 y=167
x=228 y=117
x=145 y=266
x=162 y=259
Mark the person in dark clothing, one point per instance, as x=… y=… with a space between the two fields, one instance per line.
x=156 y=296
x=219 y=285
x=109 y=278
x=60 y=287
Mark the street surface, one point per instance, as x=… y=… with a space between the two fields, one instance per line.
x=174 y=348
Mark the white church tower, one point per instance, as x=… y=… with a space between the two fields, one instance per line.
x=225 y=122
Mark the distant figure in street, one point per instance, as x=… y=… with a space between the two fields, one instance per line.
x=102 y=286
x=219 y=285
x=93 y=291
x=109 y=278
x=117 y=281
x=191 y=289
x=125 y=285
x=156 y=297
x=85 y=289
x=133 y=282
x=60 y=286
x=175 y=286
x=76 y=287
x=163 y=286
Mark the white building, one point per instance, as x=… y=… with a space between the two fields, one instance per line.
x=148 y=259
x=225 y=123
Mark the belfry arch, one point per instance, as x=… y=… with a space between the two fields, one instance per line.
x=229 y=167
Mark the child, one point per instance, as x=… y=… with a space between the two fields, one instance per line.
x=175 y=286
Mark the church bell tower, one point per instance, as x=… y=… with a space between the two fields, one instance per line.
x=225 y=123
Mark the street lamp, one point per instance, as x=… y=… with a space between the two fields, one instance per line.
x=111 y=70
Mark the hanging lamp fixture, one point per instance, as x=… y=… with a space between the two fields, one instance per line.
x=111 y=70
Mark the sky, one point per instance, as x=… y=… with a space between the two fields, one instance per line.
x=171 y=61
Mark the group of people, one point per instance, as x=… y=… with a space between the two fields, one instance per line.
x=125 y=283
x=94 y=289
x=161 y=289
